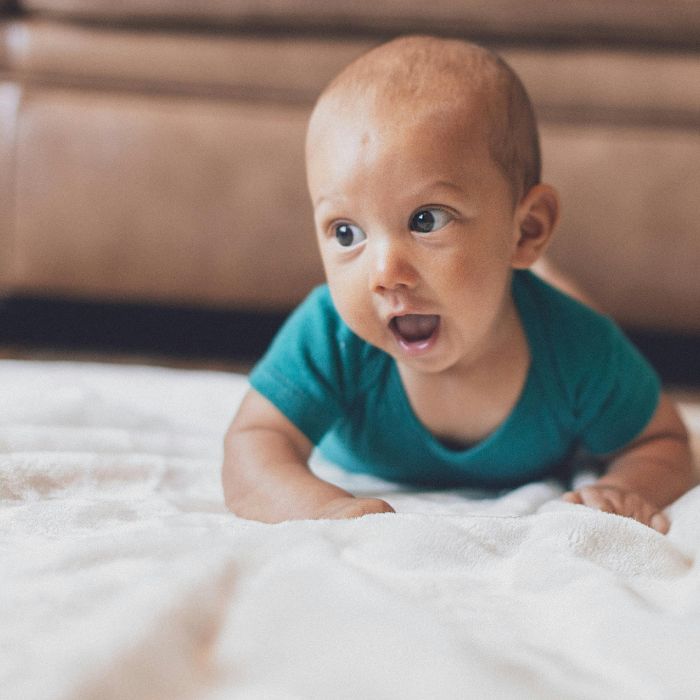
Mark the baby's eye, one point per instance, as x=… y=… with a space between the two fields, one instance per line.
x=349 y=235
x=428 y=220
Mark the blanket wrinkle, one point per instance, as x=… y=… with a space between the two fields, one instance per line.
x=123 y=576
x=367 y=618
x=101 y=440
x=191 y=624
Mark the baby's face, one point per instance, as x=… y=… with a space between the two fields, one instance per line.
x=417 y=230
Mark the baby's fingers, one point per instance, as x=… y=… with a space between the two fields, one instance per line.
x=646 y=513
x=591 y=497
x=598 y=498
x=635 y=506
x=613 y=500
x=572 y=497
x=660 y=523
x=350 y=507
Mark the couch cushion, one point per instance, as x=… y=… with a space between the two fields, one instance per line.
x=672 y=21
x=9 y=106
x=4 y=45
x=579 y=84
x=180 y=200
x=629 y=231
x=108 y=207
x=166 y=61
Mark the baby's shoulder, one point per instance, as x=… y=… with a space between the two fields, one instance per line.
x=565 y=322
x=572 y=342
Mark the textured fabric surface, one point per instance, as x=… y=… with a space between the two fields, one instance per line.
x=123 y=576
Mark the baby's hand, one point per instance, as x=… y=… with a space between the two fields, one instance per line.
x=349 y=507
x=612 y=499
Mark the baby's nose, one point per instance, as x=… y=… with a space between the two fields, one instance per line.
x=391 y=266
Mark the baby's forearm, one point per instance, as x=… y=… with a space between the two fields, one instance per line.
x=264 y=478
x=660 y=470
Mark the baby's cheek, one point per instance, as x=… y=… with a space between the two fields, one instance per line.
x=355 y=310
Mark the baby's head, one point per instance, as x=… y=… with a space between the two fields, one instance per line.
x=423 y=167
x=415 y=78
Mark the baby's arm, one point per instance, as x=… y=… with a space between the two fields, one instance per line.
x=644 y=477
x=265 y=473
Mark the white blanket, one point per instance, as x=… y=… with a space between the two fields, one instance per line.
x=122 y=575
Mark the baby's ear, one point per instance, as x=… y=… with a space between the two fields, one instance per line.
x=536 y=217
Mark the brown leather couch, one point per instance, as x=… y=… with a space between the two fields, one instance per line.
x=151 y=150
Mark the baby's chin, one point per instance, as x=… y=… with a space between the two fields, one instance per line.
x=429 y=355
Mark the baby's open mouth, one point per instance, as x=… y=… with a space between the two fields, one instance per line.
x=415 y=328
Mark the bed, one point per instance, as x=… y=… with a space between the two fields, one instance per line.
x=123 y=576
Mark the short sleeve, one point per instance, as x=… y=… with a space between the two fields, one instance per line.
x=619 y=394
x=301 y=372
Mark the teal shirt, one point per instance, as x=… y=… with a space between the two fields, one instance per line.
x=586 y=386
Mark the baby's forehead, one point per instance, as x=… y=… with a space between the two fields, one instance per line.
x=411 y=77
x=440 y=146
x=387 y=115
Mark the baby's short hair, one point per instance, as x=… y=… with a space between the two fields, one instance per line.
x=453 y=72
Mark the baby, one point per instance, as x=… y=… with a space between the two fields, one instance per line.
x=434 y=356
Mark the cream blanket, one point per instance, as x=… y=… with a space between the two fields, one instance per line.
x=122 y=576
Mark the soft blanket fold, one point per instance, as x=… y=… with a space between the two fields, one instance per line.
x=122 y=575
